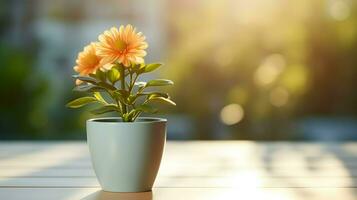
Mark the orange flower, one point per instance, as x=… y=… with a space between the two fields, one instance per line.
x=123 y=45
x=87 y=62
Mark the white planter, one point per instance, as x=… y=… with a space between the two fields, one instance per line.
x=126 y=156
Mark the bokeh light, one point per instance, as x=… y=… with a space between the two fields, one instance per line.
x=339 y=9
x=269 y=70
x=232 y=114
x=279 y=97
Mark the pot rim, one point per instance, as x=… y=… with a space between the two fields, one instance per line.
x=117 y=120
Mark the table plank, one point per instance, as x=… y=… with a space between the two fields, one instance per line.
x=167 y=172
x=181 y=194
x=247 y=181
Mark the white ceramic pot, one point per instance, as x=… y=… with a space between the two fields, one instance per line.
x=126 y=155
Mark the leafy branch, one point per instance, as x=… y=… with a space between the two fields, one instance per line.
x=126 y=95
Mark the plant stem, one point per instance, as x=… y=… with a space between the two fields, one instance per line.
x=136 y=77
x=136 y=116
x=123 y=88
x=130 y=81
x=120 y=107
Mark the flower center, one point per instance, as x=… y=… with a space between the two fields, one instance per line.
x=93 y=61
x=120 y=45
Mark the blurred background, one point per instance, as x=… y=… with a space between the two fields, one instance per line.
x=256 y=70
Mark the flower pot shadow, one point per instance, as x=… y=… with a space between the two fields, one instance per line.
x=102 y=195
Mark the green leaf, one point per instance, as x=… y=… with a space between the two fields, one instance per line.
x=87 y=88
x=94 y=80
x=137 y=67
x=162 y=99
x=146 y=108
x=113 y=75
x=122 y=95
x=81 y=102
x=93 y=76
x=151 y=67
x=140 y=84
x=132 y=98
x=99 y=97
x=159 y=82
x=105 y=109
x=87 y=79
x=106 y=86
x=129 y=117
x=157 y=94
x=101 y=75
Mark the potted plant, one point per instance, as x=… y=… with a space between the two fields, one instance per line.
x=126 y=151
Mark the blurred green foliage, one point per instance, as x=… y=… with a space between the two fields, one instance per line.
x=279 y=60
x=22 y=93
x=242 y=69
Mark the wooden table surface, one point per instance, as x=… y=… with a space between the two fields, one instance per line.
x=189 y=170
